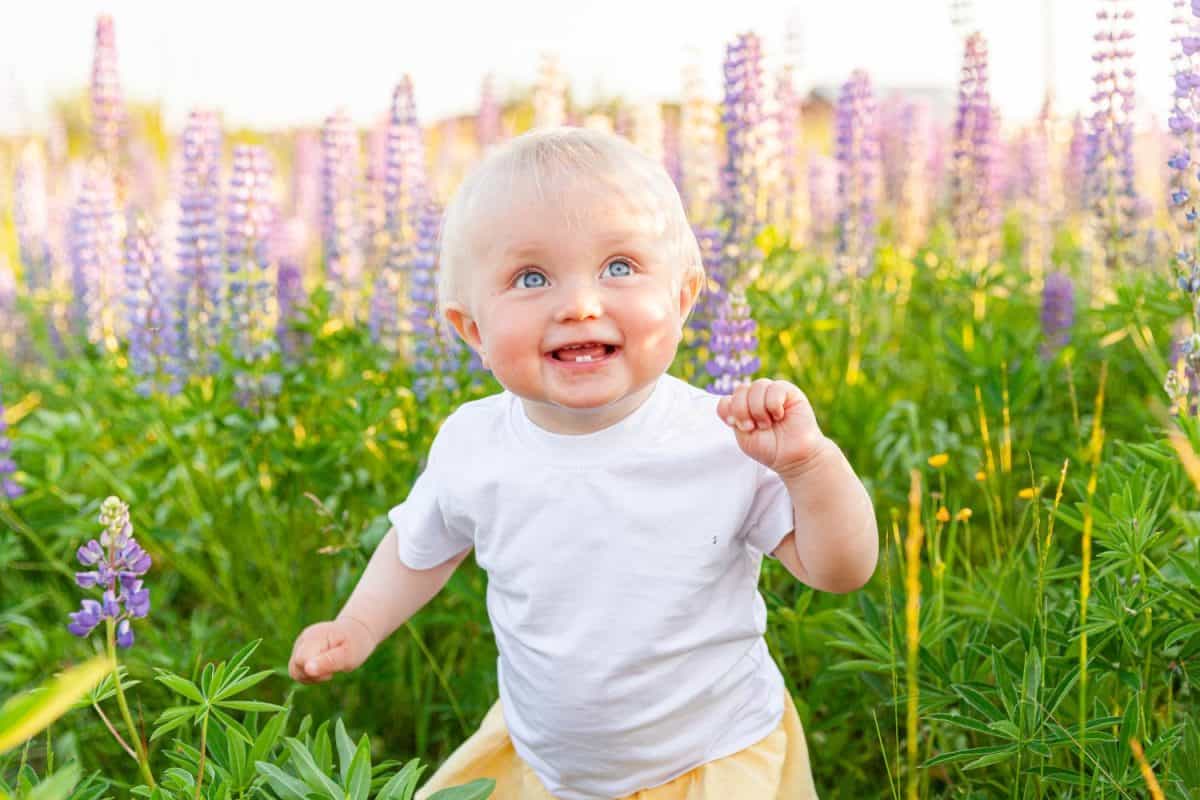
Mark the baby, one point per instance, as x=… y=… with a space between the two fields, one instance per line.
x=621 y=514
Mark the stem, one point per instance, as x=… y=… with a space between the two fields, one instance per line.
x=143 y=760
x=113 y=731
x=203 y=748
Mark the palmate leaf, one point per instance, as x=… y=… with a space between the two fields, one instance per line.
x=179 y=685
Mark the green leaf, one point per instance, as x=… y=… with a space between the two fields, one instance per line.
x=478 y=789
x=970 y=752
x=180 y=685
x=402 y=785
x=251 y=705
x=345 y=748
x=963 y=722
x=1001 y=754
x=24 y=716
x=358 y=784
x=242 y=684
x=308 y=770
x=286 y=786
x=268 y=736
x=1006 y=728
x=57 y=786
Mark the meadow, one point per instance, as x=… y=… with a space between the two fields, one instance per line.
x=232 y=333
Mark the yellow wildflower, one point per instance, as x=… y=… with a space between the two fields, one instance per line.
x=943 y=515
x=963 y=515
x=939 y=461
x=981 y=476
x=1028 y=493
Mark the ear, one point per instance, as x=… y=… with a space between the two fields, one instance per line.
x=465 y=326
x=689 y=290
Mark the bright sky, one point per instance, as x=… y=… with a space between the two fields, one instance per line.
x=266 y=62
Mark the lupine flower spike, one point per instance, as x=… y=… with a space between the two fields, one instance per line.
x=8 y=487
x=117 y=563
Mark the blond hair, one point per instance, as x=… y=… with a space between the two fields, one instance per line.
x=596 y=159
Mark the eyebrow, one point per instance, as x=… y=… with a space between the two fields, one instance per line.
x=533 y=248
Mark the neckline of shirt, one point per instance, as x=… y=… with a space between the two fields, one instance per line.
x=639 y=428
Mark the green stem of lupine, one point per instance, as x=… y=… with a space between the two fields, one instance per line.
x=143 y=760
x=203 y=750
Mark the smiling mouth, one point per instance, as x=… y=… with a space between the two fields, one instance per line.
x=583 y=354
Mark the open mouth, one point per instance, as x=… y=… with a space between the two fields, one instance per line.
x=584 y=353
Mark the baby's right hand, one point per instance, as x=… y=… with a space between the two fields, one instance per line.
x=338 y=645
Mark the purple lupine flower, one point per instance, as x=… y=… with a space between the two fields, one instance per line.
x=250 y=269
x=487 y=120
x=432 y=356
x=1111 y=190
x=154 y=346
x=733 y=344
x=8 y=487
x=698 y=149
x=1075 y=169
x=904 y=149
x=405 y=189
x=856 y=147
x=791 y=199
x=339 y=216
x=373 y=246
x=287 y=242
x=94 y=237
x=305 y=194
x=9 y=319
x=1183 y=369
x=742 y=115
x=1058 y=312
x=200 y=276
x=118 y=563
x=1033 y=196
x=822 y=199
x=974 y=175
x=708 y=304
x=31 y=216
x=108 y=108
x=671 y=149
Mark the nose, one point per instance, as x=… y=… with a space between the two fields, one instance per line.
x=580 y=301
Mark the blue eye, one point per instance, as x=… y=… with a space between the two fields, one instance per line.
x=530 y=274
x=620 y=262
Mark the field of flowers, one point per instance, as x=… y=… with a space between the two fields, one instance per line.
x=220 y=366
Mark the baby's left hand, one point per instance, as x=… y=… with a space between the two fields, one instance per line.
x=774 y=423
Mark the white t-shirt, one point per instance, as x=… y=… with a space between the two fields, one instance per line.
x=622 y=582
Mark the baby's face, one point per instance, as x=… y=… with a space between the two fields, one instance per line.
x=578 y=321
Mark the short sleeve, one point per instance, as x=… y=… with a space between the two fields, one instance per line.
x=771 y=516
x=427 y=533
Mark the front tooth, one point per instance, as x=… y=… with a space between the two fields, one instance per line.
x=582 y=358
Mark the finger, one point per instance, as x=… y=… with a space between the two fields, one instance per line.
x=739 y=411
x=755 y=402
x=775 y=400
x=723 y=408
x=326 y=663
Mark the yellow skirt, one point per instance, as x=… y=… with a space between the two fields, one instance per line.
x=774 y=768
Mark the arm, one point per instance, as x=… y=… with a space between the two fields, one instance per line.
x=390 y=592
x=839 y=543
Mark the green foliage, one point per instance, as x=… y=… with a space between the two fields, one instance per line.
x=260 y=520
